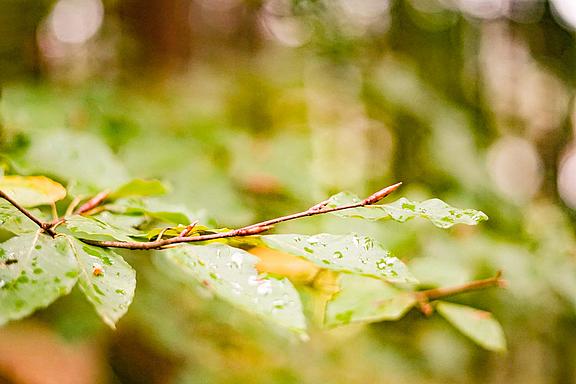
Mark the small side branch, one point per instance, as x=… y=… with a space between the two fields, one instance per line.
x=424 y=297
x=46 y=227
x=93 y=202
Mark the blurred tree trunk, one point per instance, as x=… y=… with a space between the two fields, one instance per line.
x=18 y=49
x=160 y=31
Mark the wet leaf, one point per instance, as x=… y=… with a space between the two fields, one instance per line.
x=107 y=281
x=92 y=228
x=31 y=191
x=438 y=212
x=298 y=270
x=13 y=220
x=140 y=187
x=478 y=325
x=364 y=299
x=346 y=253
x=231 y=274
x=34 y=271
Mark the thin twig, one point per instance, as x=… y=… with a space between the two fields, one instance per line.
x=372 y=199
x=162 y=233
x=46 y=227
x=73 y=204
x=88 y=208
x=424 y=297
x=249 y=230
x=93 y=202
x=179 y=239
x=188 y=229
x=244 y=231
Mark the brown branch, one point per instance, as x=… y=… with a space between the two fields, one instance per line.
x=46 y=227
x=93 y=202
x=248 y=230
x=179 y=239
x=424 y=297
x=87 y=208
x=319 y=209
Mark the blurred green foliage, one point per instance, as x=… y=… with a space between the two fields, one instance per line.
x=252 y=121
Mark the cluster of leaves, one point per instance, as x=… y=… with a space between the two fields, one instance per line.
x=370 y=284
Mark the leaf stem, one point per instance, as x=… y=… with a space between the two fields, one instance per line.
x=424 y=297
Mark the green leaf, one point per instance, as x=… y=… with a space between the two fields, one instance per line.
x=92 y=228
x=139 y=187
x=78 y=156
x=478 y=325
x=13 y=220
x=31 y=191
x=106 y=279
x=438 y=212
x=166 y=216
x=364 y=299
x=127 y=223
x=153 y=209
x=231 y=274
x=346 y=253
x=34 y=271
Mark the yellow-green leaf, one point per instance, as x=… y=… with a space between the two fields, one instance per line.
x=31 y=191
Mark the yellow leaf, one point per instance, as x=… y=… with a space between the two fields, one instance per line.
x=298 y=270
x=30 y=191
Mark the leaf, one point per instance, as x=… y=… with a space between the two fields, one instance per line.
x=107 y=281
x=92 y=228
x=364 y=299
x=478 y=325
x=34 y=271
x=13 y=220
x=345 y=253
x=154 y=209
x=31 y=191
x=139 y=187
x=296 y=269
x=175 y=231
x=231 y=274
x=74 y=156
x=438 y=212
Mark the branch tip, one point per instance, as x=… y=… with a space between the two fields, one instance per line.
x=376 y=197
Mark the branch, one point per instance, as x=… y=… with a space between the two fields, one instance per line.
x=93 y=202
x=46 y=227
x=249 y=230
x=424 y=297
